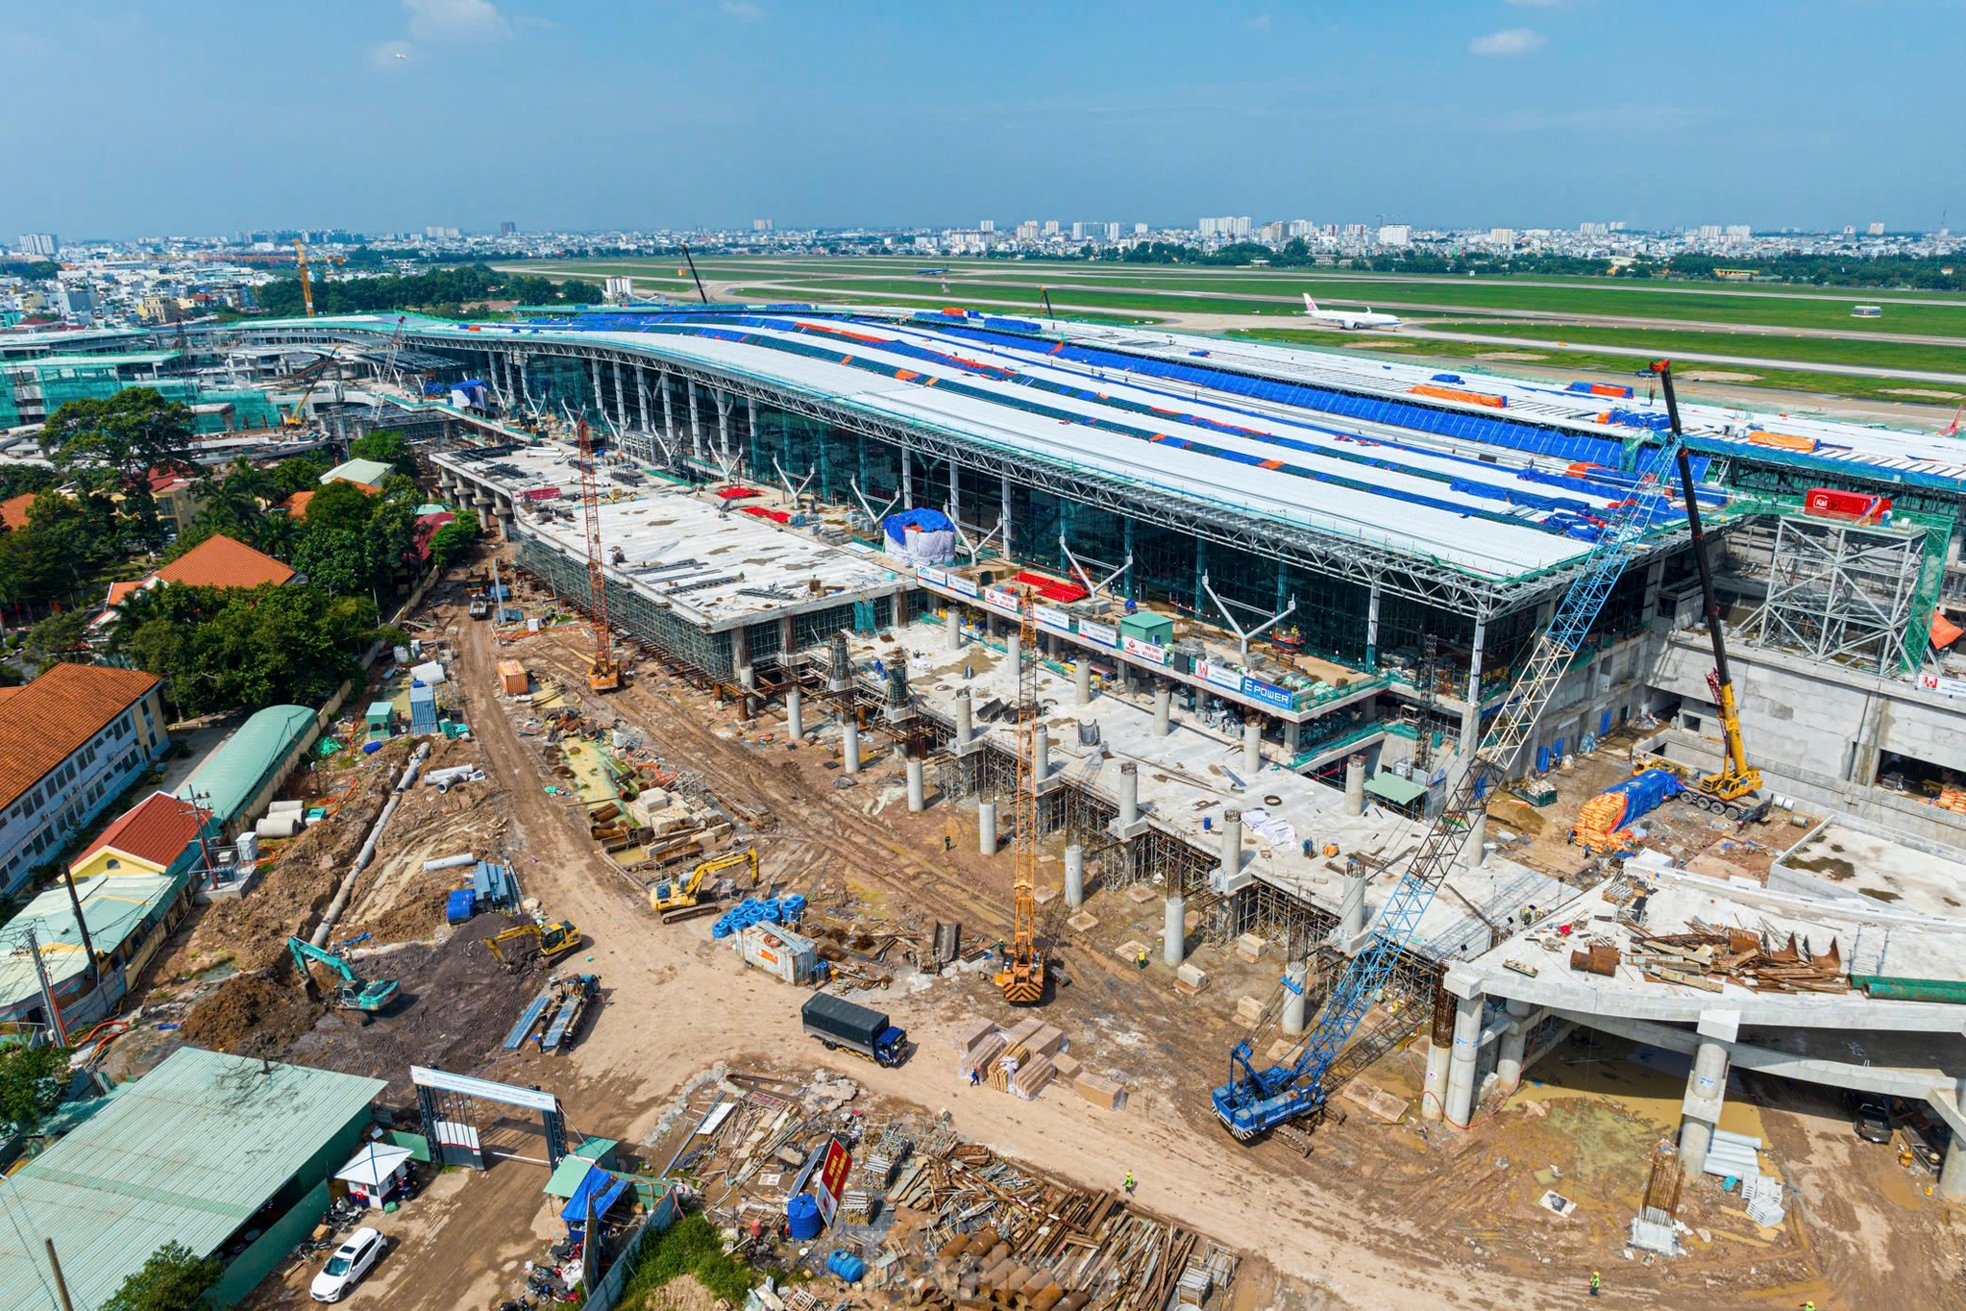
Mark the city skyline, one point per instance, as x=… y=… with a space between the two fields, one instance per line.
x=468 y=113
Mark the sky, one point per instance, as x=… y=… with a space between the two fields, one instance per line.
x=200 y=117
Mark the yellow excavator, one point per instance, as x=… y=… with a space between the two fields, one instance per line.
x=520 y=943
x=678 y=899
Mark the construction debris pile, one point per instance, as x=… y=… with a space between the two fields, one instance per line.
x=1706 y=957
x=924 y=1218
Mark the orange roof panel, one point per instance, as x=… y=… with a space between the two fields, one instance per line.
x=156 y=829
x=222 y=562
x=45 y=722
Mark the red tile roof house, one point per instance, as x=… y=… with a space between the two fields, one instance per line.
x=70 y=742
x=215 y=562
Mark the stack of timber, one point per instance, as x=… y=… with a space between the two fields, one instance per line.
x=1708 y=957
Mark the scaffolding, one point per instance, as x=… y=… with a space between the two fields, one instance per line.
x=1841 y=592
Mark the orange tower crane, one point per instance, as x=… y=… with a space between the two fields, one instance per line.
x=604 y=675
x=1022 y=977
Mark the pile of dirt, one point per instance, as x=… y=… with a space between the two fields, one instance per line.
x=251 y=1015
x=683 y=1293
x=455 y=1008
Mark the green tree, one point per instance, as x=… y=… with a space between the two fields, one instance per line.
x=59 y=637
x=174 y=1278
x=31 y=1082
x=386 y=447
x=112 y=445
x=339 y=505
x=297 y=473
x=221 y=650
x=450 y=542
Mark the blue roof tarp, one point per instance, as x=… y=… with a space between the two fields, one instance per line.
x=928 y=521
x=603 y=1187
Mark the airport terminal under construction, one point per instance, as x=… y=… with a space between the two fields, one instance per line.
x=1280 y=598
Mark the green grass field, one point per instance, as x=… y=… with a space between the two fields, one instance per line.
x=1117 y=293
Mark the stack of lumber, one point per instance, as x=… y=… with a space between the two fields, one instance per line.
x=1106 y=1094
x=1708 y=957
x=982 y=1056
x=1029 y=1080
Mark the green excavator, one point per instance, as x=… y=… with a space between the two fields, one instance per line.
x=353 y=993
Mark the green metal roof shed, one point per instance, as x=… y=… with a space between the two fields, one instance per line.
x=369 y=472
x=244 y=764
x=189 y=1153
x=1392 y=788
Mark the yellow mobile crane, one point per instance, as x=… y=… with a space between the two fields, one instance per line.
x=1022 y=974
x=1730 y=789
x=678 y=899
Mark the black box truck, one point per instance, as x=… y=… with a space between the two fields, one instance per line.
x=838 y=1022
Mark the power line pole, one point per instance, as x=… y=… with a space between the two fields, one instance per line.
x=31 y=945
x=61 y=1284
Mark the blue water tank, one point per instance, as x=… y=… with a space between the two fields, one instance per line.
x=802 y=1217
x=846 y=1265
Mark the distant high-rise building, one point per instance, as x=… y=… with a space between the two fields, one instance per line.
x=1395 y=234
x=1739 y=231
x=441 y=233
x=1240 y=227
x=1849 y=231
x=1027 y=230
x=508 y=229
x=1209 y=227
x=987 y=225
x=1875 y=229
x=1112 y=232
x=1051 y=227
x=1501 y=236
x=1140 y=230
x=760 y=225
x=40 y=243
x=1708 y=232
x=1273 y=231
x=78 y=301
x=1302 y=228
x=1079 y=231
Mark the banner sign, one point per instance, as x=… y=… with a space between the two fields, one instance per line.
x=1943 y=686
x=928 y=573
x=1098 y=633
x=832 y=1179
x=1001 y=596
x=1268 y=693
x=1051 y=614
x=1145 y=650
x=1217 y=674
x=961 y=586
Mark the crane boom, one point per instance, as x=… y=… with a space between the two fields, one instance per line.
x=1255 y=1100
x=306 y=282
x=1021 y=977
x=603 y=675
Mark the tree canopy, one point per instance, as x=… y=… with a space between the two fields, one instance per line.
x=439 y=290
x=32 y=1080
x=174 y=1278
x=223 y=649
x=385 y=446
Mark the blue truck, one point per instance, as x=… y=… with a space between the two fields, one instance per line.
x=839 y=1023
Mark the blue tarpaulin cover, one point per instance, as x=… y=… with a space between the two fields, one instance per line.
x=599 y=1184
x=1645 y=792
x=928 y=521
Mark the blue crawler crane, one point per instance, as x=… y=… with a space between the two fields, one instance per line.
x=1255 y=1100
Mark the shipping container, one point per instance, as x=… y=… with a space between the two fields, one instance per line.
x=779 y=952
x=512 y=679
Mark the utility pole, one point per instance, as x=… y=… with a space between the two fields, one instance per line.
x=82 y=925
x=32 y=947
x=61 y=1284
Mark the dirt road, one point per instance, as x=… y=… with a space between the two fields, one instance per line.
x=1423 y=1226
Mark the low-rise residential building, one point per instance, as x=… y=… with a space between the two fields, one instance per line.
x=217 y=561
x=159 y=835
x=70 y=742
x=229 y=1156
x=366 y=474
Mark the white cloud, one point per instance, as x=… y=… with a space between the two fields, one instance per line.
x=1507 y=42
x=392 y=56
x=1260 y=23
x=742 y=9
x=454 y=20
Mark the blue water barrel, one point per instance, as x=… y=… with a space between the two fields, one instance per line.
x=846 y=1265
x=1542 y=760
x=802 y=1217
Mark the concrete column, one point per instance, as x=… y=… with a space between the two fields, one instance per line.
x=850 y=728
x=1440 y=1050
x=620 y=397
x=1074 y=876
x=1014 y=652
x=594 y=367
x=1351 y=907
x=1003 y=513
x=1082 y=671
x=723 y=401
x=965 y=719
x=1514 y=1042
x=1355 y=785
x=668 y=410
x=695 y=421
x=1252 y=744
x=917 y=797
x=1175 y=931
x=1231 y=843
x=1163 y=710
x=1295 y=1004
x=1706 y=1093
x=907 y=481
x=1041 y=756
x=1952 y=1174
x=1471 y=717
x=1129 y=794
x=1475 y=852
x=954 y=628
x=1461 y=1065
x=986 y=828
x=795 y=719
x=747 y=678
x=642 y=397
x=1372 y=628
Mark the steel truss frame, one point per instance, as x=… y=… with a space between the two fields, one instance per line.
x=1840 y=592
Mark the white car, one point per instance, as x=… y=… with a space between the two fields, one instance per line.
x=348 y=1264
